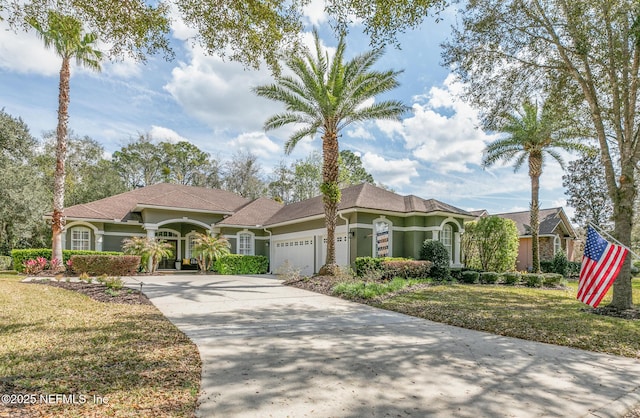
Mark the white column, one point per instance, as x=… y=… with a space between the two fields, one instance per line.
x=435 y=235
x=99 y=236
x=456 y=249
x=151 y=235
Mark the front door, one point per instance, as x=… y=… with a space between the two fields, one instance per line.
x=169 y=263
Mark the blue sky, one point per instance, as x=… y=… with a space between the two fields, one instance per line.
x=434 y=152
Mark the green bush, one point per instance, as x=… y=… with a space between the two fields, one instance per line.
x=546 y=266
x=489 y=277
x=5 y=262
x=560 y=264
x=98 y=264
x=512 y=278
x=366 y=265
x=469 y=276
x=242 y=264
x=533 y=280
x=552 y=279
x=19 y=256
x=405 y=269
x=369 y=290
x=436 y=252
x=573 y=269
x=113 y=283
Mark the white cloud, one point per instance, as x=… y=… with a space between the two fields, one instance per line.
x=24 y=52
x=360 y=132
x=443 y=130
x=314 y=12
x=395 y=173
x=219 y=94
x=257 y=143
x=162 y=134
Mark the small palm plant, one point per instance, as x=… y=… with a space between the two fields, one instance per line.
x=137 y=246
x=148 y=249
x=208 y=249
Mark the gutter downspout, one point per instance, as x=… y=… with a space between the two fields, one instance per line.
x=348 y=238
x=270 y=246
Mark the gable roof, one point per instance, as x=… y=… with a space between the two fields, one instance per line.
x=365 y=196
x=253 y=214
x=167 y=196
x=549 y=221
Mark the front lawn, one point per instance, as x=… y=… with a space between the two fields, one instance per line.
x=64 y=354
x=546 y=315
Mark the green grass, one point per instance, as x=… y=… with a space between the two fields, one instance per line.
x=370 y=290
x=550 y=316
x=60 y=342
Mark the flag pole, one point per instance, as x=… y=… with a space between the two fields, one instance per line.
x=614 y=240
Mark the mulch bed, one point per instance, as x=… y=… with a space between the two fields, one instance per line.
x=98 y=291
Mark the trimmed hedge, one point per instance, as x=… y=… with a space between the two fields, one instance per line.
x=99 y=264
x=552 y=279
x=5 y=262
x=489 y=277
x=469 y=276
x=533 y=280
x=242 y=264
x=512 y=278
x=406 y=269
x=365 y=265
x=19 y=256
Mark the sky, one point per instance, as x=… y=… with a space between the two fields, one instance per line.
x=435 y=151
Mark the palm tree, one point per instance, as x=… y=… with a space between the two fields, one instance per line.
x=532 y=134
x=208 y=248
x=157 y=250
x=64 y=34
x=324 y=96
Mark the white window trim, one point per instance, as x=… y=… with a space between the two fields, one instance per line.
x=374 y=243
x=252 y=241
x=450 y=246
x=81 y=229
x=187 y=248
x=557 y=244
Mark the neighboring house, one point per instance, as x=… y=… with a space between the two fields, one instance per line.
x=556 y=233
x=371 y=222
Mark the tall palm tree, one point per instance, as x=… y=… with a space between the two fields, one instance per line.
x=533 y=133
x=64 y=34
x=324 y=96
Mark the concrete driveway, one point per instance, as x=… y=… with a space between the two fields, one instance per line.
x=273 y=351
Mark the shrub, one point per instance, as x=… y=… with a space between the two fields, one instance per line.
x=560 y=264
x=114 y=283
x=436 y=252
x=469 y=276
x=533 y=280
x=366 y=265
x=19 y=256
x=5 y=262
x=512 y=278
x=573 y=268
x=369 y=290
x=546 y=266
x=489 y=277
x=406 y=269
x=242 y=264
x=552 y=279
x=35 y=266
x=490 y=244
x=95 y=265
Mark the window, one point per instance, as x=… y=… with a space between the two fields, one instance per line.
x=191 y=243
x=80 y=239
x=556 y=245
x=382 y=243
x=245 y=243
x=446 y=238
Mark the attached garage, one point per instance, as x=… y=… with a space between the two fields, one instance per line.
x=298 y=253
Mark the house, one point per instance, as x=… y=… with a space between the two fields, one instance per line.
x=371 y=222
x=555 y=233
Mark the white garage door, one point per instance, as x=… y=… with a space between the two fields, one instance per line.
x=342 y=245
x=296 y=253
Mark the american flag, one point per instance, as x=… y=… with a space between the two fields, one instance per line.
x=601 y=264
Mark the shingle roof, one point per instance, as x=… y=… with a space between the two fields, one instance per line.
x=549 y=220
x=121 y=206
x=365 y=196
x=254 y=213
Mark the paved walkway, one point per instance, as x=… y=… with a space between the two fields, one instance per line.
x=273 y=351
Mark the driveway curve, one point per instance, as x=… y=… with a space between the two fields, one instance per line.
x=270 y=350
